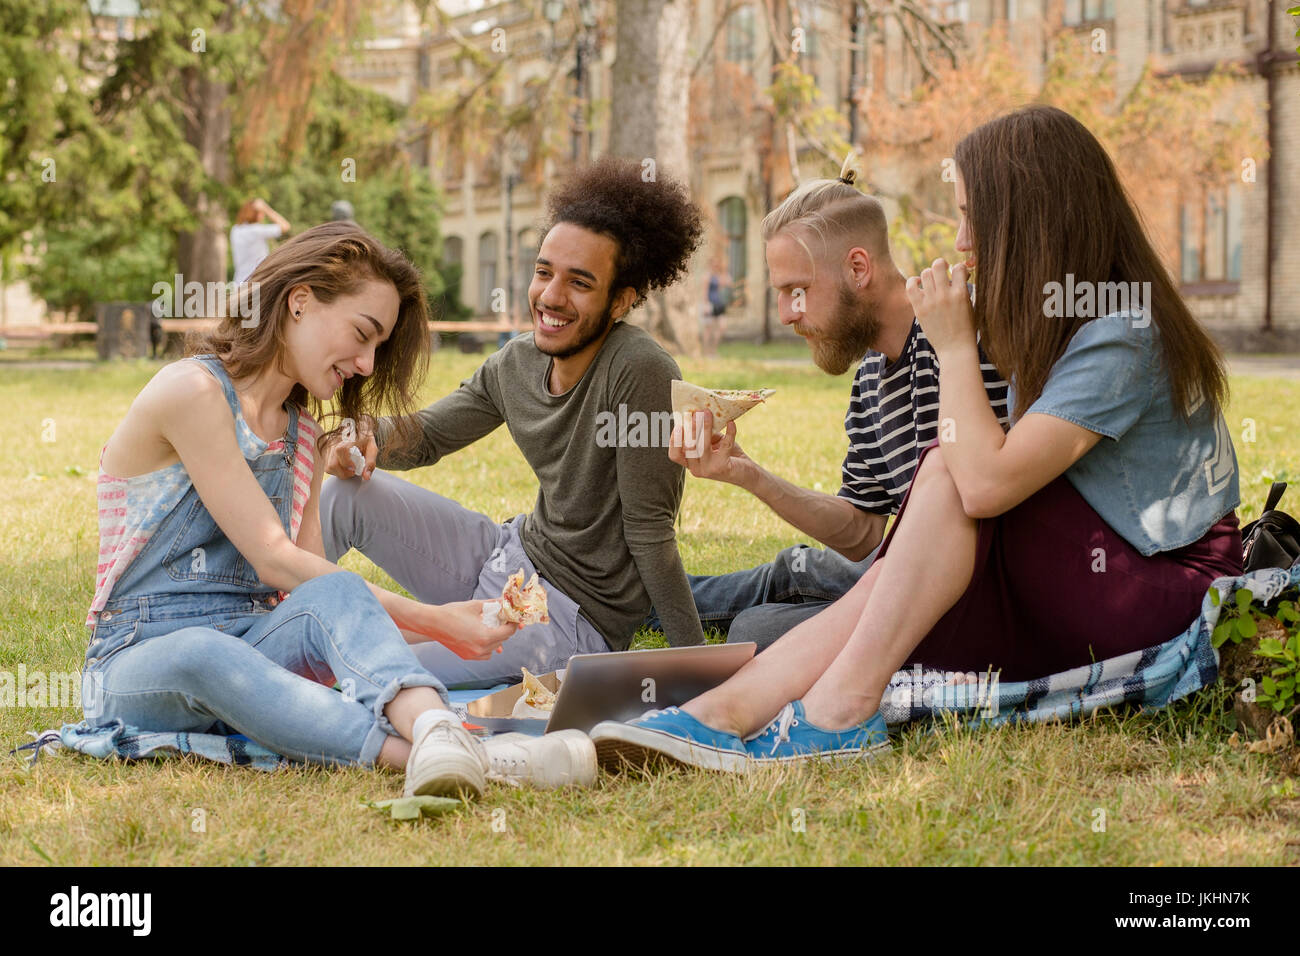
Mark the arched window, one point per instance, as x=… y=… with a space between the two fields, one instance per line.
x=487 y=271
x=741 y=30
x=453 y=251
x=732 y=218
x=525 y=265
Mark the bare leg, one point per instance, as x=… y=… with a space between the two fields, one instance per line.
x=786 y=670
x=409 y=703
x=917 y=586
x=393 y=753
x=840 y=661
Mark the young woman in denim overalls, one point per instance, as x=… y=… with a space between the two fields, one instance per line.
x=215 y=609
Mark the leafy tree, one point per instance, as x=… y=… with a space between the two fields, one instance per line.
x=390 y=196
x=87 y=264
x=156 y=137
x=1169 y=137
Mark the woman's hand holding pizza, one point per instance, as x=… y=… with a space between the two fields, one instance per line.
x=705 y=455
x=942 y=306
x=459 y=627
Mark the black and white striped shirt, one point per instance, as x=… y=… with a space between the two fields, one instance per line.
x=893 y=413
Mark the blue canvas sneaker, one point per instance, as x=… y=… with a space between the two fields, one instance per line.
x=790 y=737
x=670 y=733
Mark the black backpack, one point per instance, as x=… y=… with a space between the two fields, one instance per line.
x=1273 y=539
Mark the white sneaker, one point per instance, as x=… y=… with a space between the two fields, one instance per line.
x=561 y=759
x=446 y=761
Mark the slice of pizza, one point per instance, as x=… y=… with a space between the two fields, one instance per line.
x=536 y=694
x=523 y=604
x=726 y=404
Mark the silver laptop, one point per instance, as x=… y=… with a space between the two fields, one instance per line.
x=621 y=685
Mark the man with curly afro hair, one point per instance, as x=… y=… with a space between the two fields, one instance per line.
x=586 y=398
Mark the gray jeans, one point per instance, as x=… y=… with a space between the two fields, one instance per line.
x=441 y=551
x=760 y=604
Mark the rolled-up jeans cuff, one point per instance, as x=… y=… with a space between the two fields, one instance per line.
x=383 y=728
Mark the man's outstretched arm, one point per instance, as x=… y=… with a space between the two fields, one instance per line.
x=834 y=521
x=449 y=424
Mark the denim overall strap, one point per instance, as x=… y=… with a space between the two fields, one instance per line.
x=214 y=365
x=218 y=370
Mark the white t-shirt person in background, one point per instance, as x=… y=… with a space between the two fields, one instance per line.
x=250 y=236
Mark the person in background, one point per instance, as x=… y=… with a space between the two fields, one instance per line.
x=714 y=307
x=251 y=235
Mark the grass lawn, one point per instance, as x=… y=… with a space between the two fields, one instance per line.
x=1170 y=787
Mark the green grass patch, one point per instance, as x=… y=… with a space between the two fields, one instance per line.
x=1167 y=786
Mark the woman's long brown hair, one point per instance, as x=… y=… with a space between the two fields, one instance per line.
x=1043 y=200
x=333 y=259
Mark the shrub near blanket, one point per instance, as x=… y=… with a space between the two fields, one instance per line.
x=1258 y=640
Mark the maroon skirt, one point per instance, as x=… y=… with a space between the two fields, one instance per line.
x=1055 y=587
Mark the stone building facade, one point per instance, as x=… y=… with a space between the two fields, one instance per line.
x=1238 y=254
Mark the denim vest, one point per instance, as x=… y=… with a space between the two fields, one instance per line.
x=1159 y=480
x=189 y=573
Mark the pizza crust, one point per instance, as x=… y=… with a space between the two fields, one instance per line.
x=726 y=404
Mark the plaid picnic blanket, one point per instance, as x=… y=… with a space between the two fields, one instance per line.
x=118 y=739
x=1150 y=678
x=129 y=743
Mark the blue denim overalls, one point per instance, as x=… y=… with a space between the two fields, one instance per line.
x=191 y=640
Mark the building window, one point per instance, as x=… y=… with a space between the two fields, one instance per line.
x=453 y=260
x=1210 y=237
x=1088 y=11
x=808 y=22
x=487 y=271
x=525 y=265
x=732 y=218
x=453 y=251
x=740 y=36
x=957 y=11
x=451 y=149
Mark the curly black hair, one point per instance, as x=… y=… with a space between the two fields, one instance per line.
x=655 y=223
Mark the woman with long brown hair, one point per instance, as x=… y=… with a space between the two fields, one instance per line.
x=1090 y=529
x=214 y=607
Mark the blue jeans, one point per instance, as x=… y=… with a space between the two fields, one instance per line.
x=760 y=604
x=237 y=665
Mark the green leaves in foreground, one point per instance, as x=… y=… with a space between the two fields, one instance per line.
x=1237 y=620
x=1278 y=628
x=412 y=808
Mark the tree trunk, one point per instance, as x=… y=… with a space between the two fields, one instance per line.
x=649 y=105
x=202 y=253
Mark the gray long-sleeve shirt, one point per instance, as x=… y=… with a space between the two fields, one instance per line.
x=603 y=527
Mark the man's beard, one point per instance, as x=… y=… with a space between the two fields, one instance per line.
x=597 y=330
x=853 y=330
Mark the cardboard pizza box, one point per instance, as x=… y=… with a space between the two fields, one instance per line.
x=502 y=702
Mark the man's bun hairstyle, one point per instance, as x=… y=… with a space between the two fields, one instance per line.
x=656 y=224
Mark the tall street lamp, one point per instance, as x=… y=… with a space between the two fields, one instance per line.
x=584 y=49
x=515 y=155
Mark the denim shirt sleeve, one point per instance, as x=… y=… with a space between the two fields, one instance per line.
x=1104 y=381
